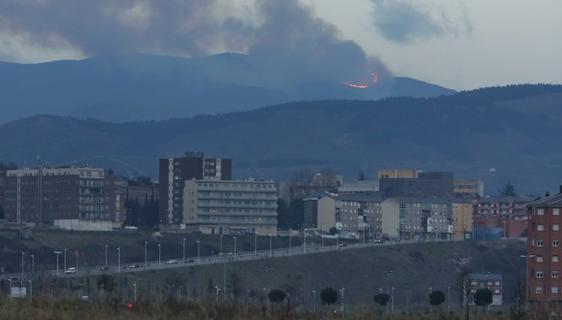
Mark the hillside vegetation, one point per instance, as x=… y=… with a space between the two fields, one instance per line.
x=505 y=129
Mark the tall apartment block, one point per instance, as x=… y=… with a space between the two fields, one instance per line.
x=230 y=207
x=544 y=252
x=44 y=195
x=173 y=172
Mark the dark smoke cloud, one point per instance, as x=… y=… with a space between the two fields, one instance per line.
x=402 y=21
x=183 y=27
x=285 y=38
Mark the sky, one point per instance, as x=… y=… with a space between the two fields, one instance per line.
x=460 y=44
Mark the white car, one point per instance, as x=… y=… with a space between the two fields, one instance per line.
x=70 y=271
x=173 y=261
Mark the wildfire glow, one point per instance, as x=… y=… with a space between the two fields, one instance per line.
x=374 y=80
x=356 y=85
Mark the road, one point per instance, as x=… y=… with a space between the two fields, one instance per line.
x=130 y=267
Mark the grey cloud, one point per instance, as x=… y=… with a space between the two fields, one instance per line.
x=285 y=38
x=403 y=21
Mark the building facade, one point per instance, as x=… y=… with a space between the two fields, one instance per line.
x=417 y=218
x=490 y=281
x=463 y=222
x=426 y=184
x=544 y=253
x=43 y=195
x=173 y=172
x=468 y=188
x=230 y=207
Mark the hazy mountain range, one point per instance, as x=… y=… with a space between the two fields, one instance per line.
x=133 y=87
x=497 y=134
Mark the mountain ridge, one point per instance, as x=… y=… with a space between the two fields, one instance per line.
x=469 y=133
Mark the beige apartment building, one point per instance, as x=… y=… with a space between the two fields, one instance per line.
x=462 y=219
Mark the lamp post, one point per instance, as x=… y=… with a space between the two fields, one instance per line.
x=146 y=254
x=198 y=251
x=342 y=290
x=159 y=253
x=314 y=300
x=32 y=263
x=255 y=244
x=303 y=241
x=118 y=259
x=10 y=288
x=57 y=254
x=290 y=240
x=183 y=249
x=135 y=292
x=64 y=259
x=76 y=254
x=220 y=247
x=235 y=248
x=217 y=290
x=22 y=267
x=448 y=299
x=106 y=253
x=30 y=289
x=392 y=299
x=270 y=245
x=527 y=257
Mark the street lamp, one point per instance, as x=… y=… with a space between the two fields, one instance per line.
x=255 y=243
x=57 y=253
x=145 y=254
x=30 y=289
x=270 y=245
x=22 y=265
x=220 y=249
x=198 y=251
x=218 y=290
x=314 y=300
x=448 y=298
x=342 y=290
x=234 y=248
x=159 y=253
x=527 y=257
x=118 y=259
x=106 y=253
x=64 y=259
x=135 y=291
x=392 y=299
x=32 y=263
x=183 y=249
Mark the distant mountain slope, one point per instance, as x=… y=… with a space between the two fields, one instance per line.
x=515 y=130
x=147 y=87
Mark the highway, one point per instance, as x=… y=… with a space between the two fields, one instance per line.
x=154 y=265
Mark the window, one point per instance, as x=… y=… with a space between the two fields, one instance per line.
x=540 y=212
x=556 y=212
x=555 y=289
x=540 y=227
x=555 y=259
x=555 y=274
x=555 y=243
x=539 y=290
x=539 y=259
x=539 y=274
x=540 y=243
x=556 y=227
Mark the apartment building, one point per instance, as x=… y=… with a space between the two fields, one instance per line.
x=544 y=252
x=398 y=174
x=43 y=195
x=352 y=215
x=463 y=221
x=417 y=218
x=230 y=207
x=173 y=172
x=468 y=188
x=502 y=206
x=425 y=184
x=490 y=281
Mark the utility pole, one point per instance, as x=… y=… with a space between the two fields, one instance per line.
x=270 y=245
x=32 y=264
x=448 y=299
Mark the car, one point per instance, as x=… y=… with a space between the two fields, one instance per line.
x=173 y=261
x=134 y=266
x=190 y=261
x=70 y=271
x=103 y=268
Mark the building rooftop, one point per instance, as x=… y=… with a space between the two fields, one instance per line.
x=485 y=276
x=554 y=201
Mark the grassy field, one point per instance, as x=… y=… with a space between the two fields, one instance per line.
x=65 y=309
x=362 y=272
